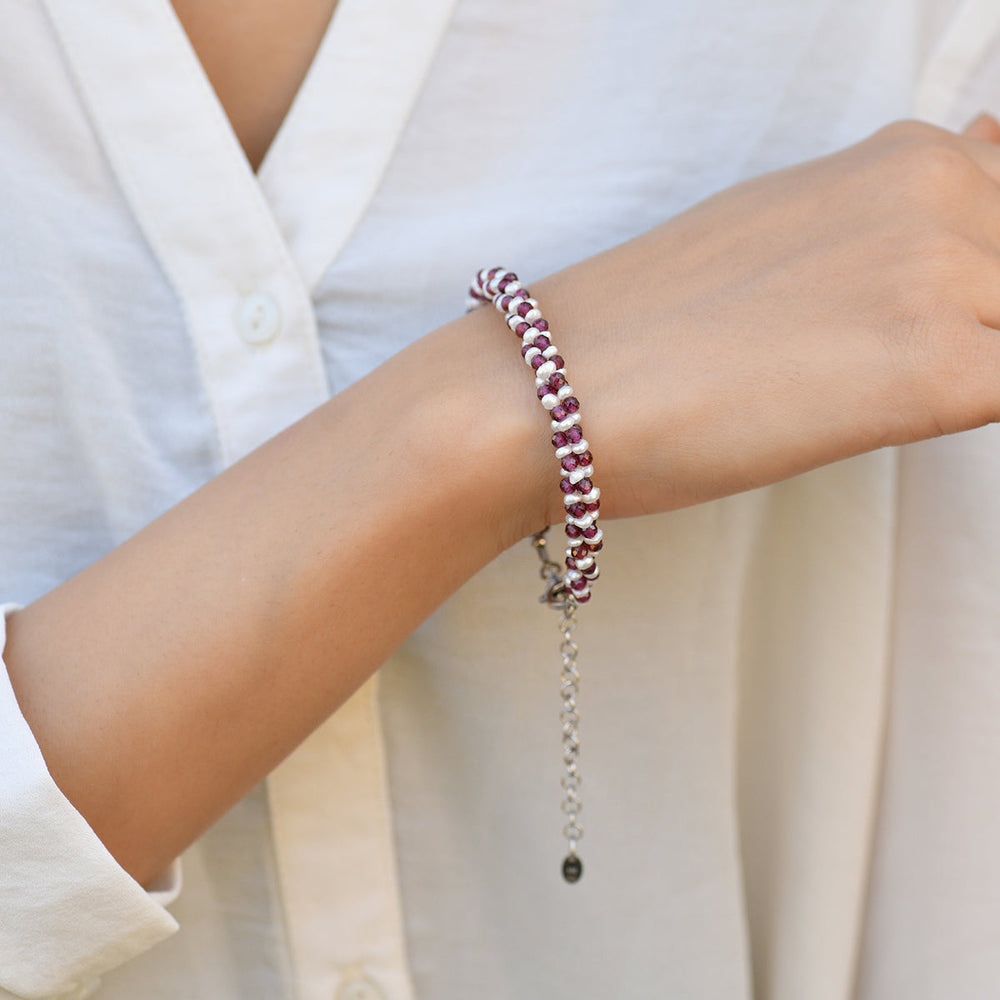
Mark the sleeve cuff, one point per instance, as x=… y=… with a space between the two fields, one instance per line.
x=70 y=912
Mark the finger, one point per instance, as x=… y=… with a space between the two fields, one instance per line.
x=983 y=127
x=980 y=140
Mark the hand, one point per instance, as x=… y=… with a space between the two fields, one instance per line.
x=796 y=319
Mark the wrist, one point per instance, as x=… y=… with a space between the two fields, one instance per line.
x=498 y=458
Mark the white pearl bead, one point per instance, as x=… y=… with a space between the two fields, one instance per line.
x=563 y=425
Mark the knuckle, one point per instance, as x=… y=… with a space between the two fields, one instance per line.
x=908 y=129
x=924 y=165
x=932 y=171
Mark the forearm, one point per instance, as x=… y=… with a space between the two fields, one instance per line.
x=169 y=677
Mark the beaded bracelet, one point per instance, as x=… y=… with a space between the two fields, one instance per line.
x=565 y=588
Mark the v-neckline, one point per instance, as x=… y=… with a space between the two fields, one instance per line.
x=256 y=59
x=142 y=79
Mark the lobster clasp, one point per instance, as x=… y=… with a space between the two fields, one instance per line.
x=557 y=591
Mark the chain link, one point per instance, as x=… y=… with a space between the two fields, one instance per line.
x=569 y=685
x=558 y=595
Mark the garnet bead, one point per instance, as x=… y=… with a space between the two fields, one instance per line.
x=506 y=292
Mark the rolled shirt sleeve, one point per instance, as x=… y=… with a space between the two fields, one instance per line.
x=68 y=911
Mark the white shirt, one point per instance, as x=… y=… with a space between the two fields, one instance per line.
x=789 y=697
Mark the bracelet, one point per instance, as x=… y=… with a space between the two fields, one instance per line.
x=570 y=586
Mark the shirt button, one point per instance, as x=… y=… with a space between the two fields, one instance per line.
x=258 y=318
x=359 y=989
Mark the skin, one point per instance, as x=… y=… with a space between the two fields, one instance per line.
x=794 y=320
x=256 y=53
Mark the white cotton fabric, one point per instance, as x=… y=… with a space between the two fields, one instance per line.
x=791 y=768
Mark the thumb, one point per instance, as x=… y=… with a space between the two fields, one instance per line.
x=984 y=127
